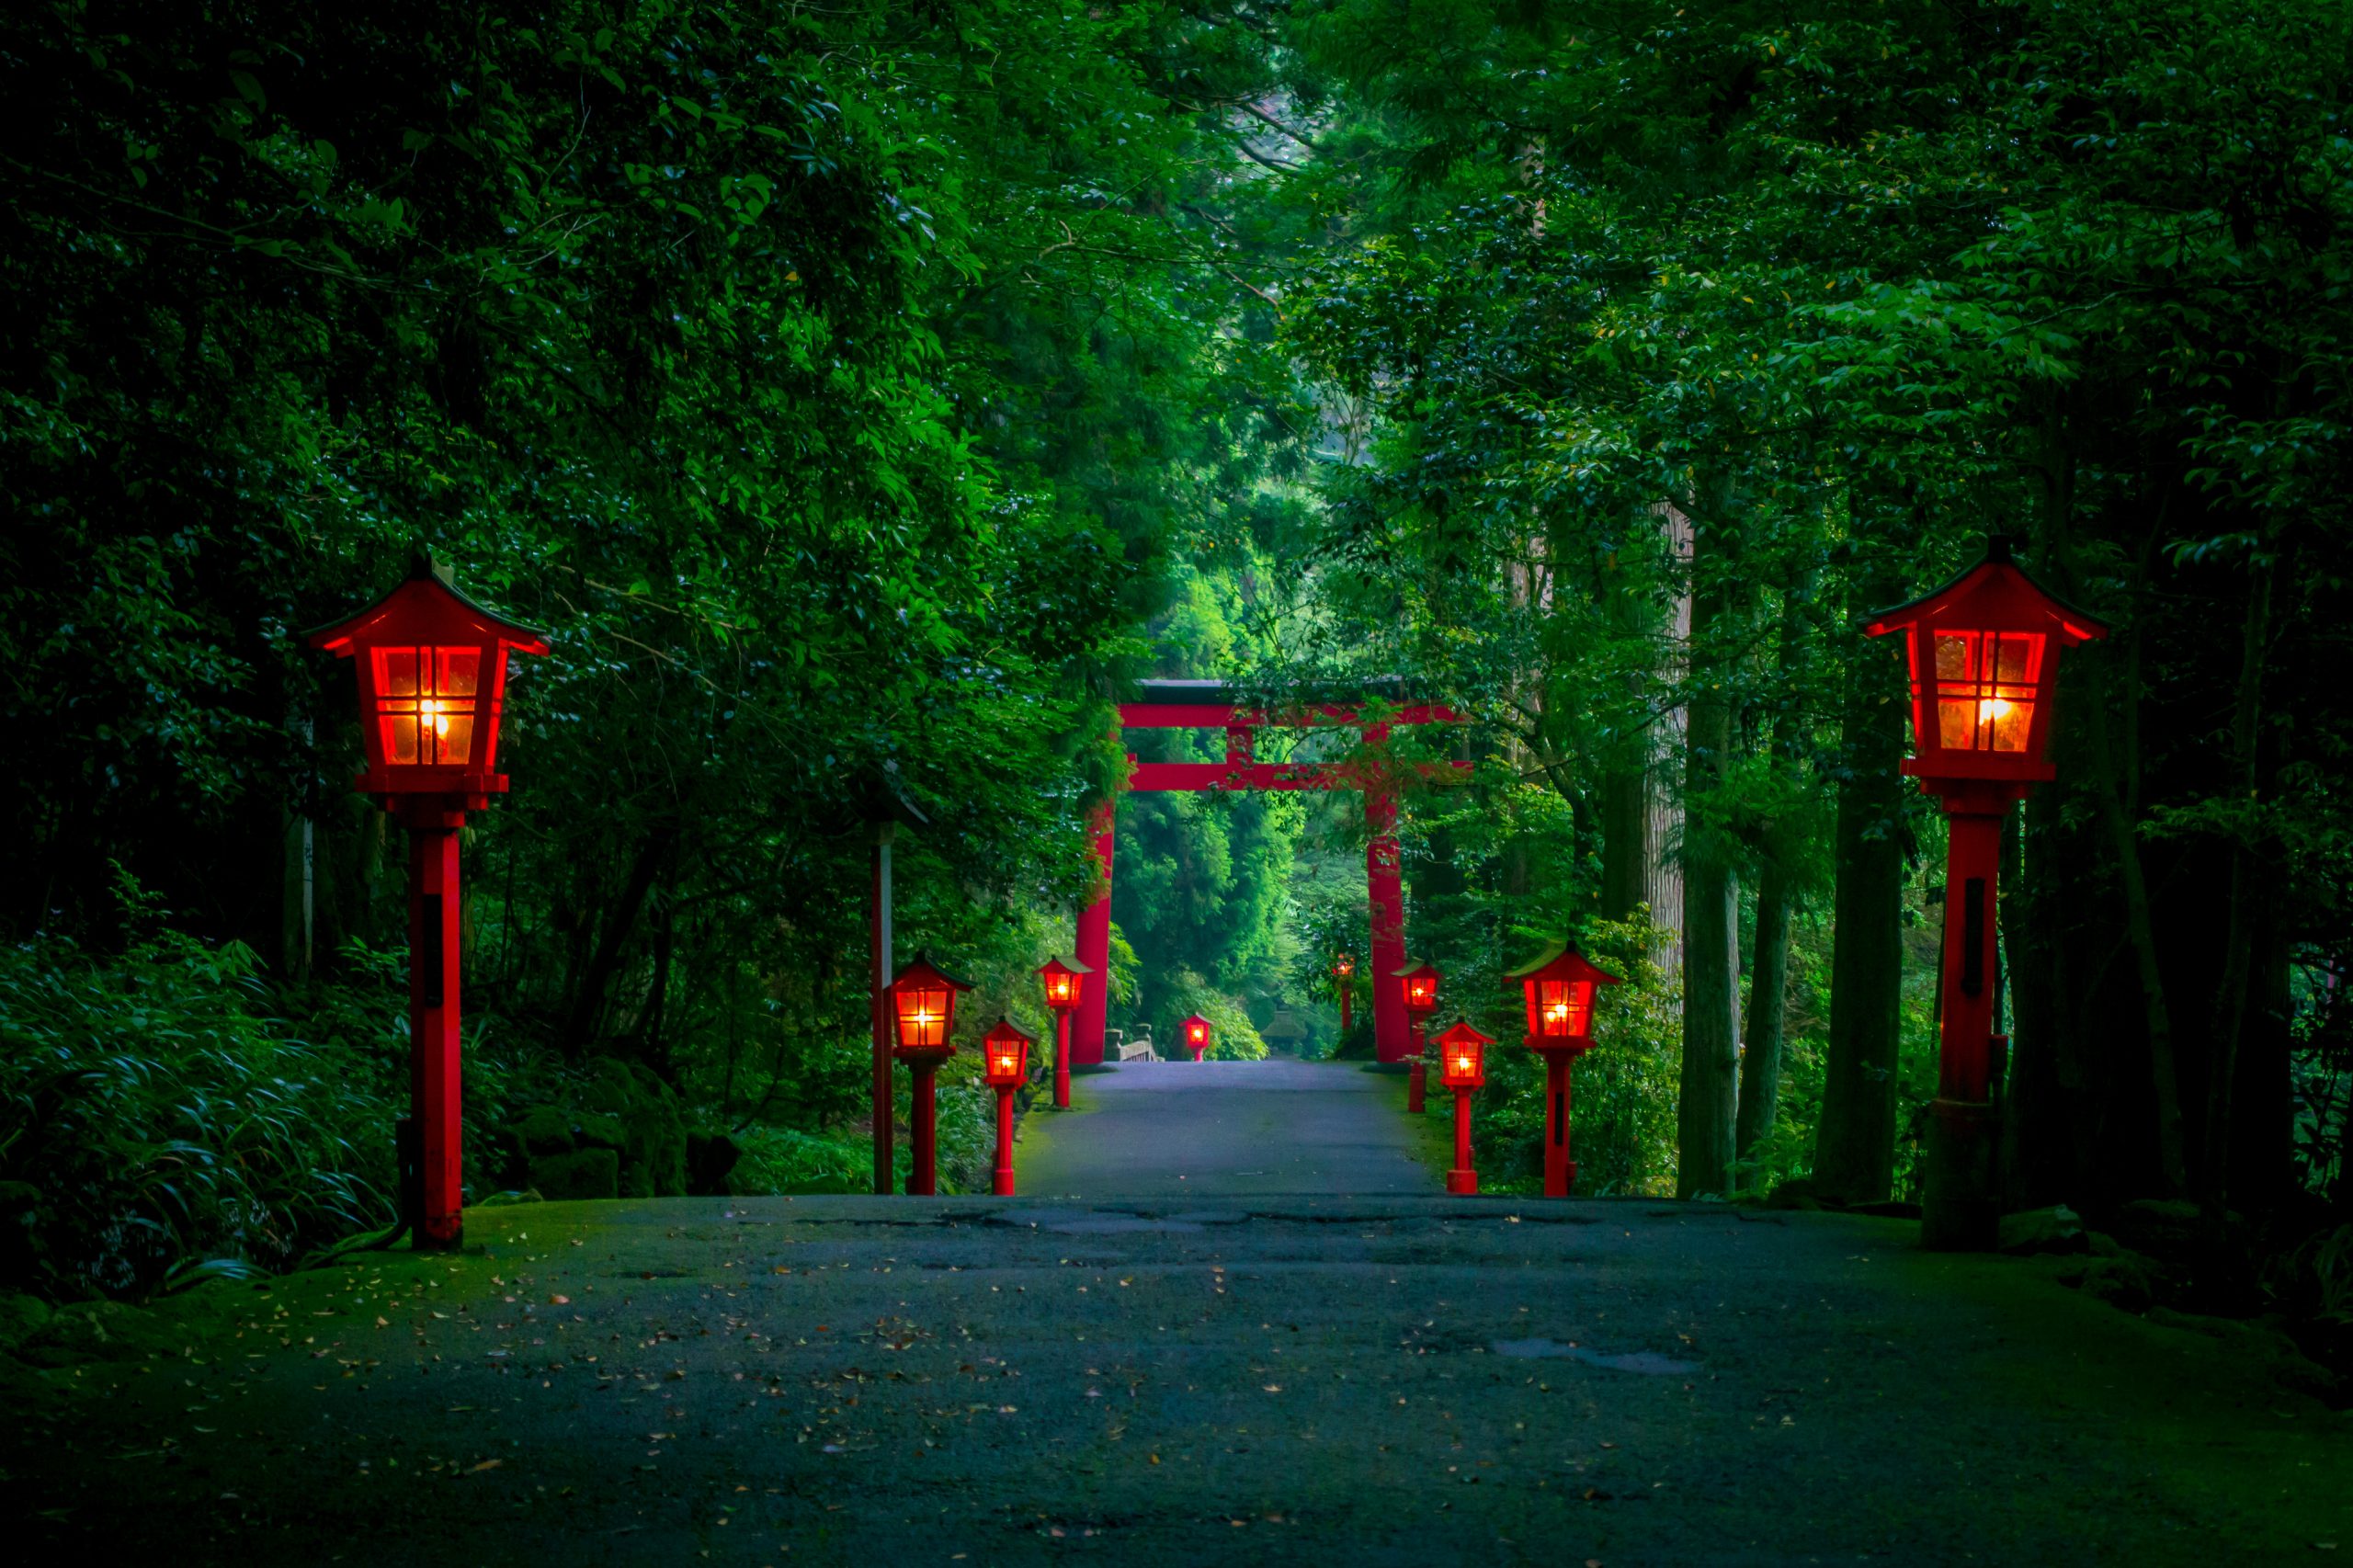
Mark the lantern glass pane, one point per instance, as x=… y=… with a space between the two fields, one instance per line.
x=1564 y=1008
x=455 y=671
x=1988 y=685
x=426 y=704
x=923 y=1017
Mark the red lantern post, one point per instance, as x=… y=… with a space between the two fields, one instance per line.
x=923 y=1010
x=1004 y=1064
x=432 y=667
x=1344 y=969
x=1462 y=1067
x=1558 y=985
x=1417 y=985
x=1065 y=986
x=1199 y=1032
x=1983 y=654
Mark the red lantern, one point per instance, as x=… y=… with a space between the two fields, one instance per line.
x=1004 y=1062
x=1198 y=1032
x=1983 y=653
x=1065 y=982
x=1004 y=1056
x=923 y=1010
x=1418 y=984
x=1065 y=986
x=1462 y=1067
x=1462 y=1058
x=1418 y=980
x=1343 y=968
x=1558 y=987
x=432 y=671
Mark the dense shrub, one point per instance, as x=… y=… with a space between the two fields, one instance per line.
x=154 y=1112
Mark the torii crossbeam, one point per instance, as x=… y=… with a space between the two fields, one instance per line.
x=1211 y=705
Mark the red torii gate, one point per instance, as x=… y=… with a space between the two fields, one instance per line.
x=1207 y=705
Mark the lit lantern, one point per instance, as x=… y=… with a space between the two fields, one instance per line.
x=1344 y=969
x=1065 y=986
x=1462 y=1058
x=1983 y=656
x=1557 y=986
x=1005 y=1063
x=1419 y=982
x=1004 y=1056
x=1197 y=1033
x=1065 y=982
x=1417 y=985
x=1462 y=1067
x=923 y=1010
x=432 y=669
x=922 y=1006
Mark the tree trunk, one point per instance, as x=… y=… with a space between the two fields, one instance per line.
x=1626 y=848
x=588 y=1001
x=2238 y=942
x=1854 y=1157
x=1710 y=907
x=2141 y=930
x=1760 y=1061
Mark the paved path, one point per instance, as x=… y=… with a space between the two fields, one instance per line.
x=1370 y=1382
x=1169 y=1129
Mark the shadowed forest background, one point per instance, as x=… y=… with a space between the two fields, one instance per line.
x=874 y=390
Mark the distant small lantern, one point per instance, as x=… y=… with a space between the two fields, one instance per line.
x=1004 y=1067
x=1983 y=656
x=1198 y=1032
x=1418 y=981
x=923 y=1010
x=1558 y=987
x=1065 y=982
x=1462 y=1067
x=1418 y=984
x=432 y=676
x=1344 y=969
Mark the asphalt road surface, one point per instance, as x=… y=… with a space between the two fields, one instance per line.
x=1209 y=1357
x=1381 y=1380
x=1201 y=1129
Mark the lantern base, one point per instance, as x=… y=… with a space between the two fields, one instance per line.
x=1462 y=1181
x=1415 y=1080
x=1960 y=1205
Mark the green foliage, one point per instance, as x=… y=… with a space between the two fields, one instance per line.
x=157 y=1114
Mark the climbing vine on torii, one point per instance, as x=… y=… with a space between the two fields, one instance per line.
x=1207 y=705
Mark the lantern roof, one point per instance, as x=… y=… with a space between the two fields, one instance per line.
x=1995 y=593
x=1196 y=1018
x=1561 y=961
x=1415 y=966
x=1059 y=965
x=1007 y=1030
x=428 y=593
x=920 y=968
x=1462 y=1032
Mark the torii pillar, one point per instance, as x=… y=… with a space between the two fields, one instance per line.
x=1094 y=953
